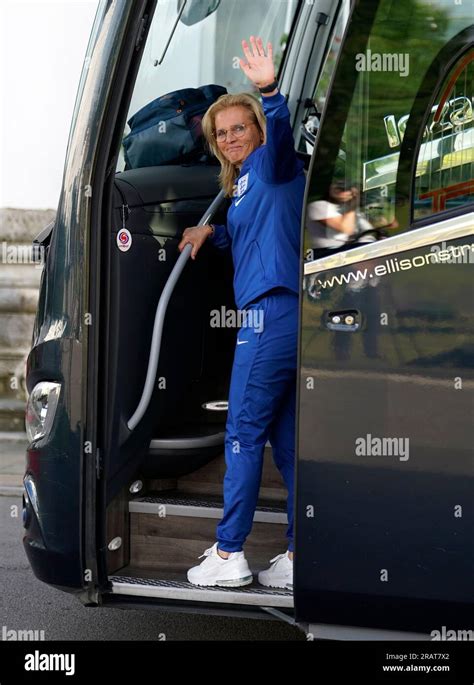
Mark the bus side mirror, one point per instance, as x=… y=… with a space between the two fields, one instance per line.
x=195 y=11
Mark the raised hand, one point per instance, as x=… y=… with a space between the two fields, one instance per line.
x=259 y=67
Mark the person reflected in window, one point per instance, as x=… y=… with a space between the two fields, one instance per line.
x=335 y=220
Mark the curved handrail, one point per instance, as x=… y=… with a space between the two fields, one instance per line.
x=160 y=317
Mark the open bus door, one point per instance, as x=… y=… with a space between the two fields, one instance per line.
x=384 y=522
x=103 y=467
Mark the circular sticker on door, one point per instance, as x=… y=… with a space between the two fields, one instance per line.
x=124 y=240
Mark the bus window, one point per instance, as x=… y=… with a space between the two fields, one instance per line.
x=353 y=196
x=323 y=81
x=445 y=163
x=203 y=47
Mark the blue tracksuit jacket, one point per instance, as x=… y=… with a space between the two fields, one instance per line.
x=263 y=222
x=263 y=230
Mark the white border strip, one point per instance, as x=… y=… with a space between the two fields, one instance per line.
x=450 y=229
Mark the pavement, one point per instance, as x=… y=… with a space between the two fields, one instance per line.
x=12 y=462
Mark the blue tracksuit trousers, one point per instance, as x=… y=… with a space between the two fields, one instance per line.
x=262 y=406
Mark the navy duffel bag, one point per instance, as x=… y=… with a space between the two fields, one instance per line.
x=168 y=130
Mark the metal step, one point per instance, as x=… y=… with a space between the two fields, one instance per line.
x=184 y=591
x=182 y=504
x=188 y=443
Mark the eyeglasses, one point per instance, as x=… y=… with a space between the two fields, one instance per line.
x=238 y=130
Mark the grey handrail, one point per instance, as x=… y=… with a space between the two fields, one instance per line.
x=160 y=317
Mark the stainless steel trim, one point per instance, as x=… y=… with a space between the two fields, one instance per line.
x=217 y=405
x=201 y=594
x=138 y=507
x=188 y=443
x=30 y=491
x=456 y=227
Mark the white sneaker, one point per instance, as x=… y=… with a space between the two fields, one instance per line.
x=214 y=570
x=280 y=573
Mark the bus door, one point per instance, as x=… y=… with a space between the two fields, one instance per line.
x=384 y=522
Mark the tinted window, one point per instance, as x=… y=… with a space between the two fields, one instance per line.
x=353 y=192
x=445 y=161
x=208 y=50
x=323 y=82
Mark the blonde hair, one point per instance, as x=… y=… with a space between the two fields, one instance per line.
x=229 y=172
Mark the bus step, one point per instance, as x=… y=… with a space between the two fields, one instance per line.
x=174 y=503
x=184 y=591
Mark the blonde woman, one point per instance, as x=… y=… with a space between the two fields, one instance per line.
x=262 y=174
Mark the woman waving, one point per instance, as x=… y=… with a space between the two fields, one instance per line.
x=264 y=177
